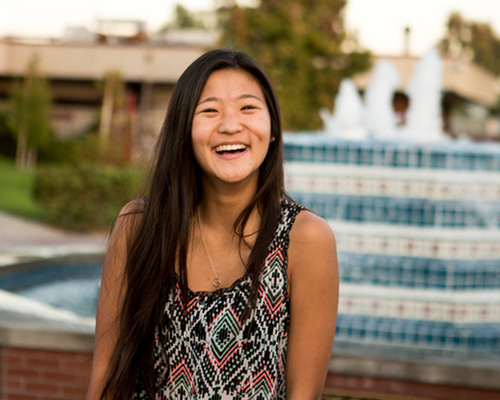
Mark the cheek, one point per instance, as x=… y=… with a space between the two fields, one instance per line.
x=199 y=155
x=195 y=131
x=264 y=128
x=199 y=133
x=196 y=142
x=268 y=126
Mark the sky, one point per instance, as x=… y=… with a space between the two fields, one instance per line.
x=379 y=24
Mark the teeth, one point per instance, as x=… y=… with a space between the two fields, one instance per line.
x=230 y=147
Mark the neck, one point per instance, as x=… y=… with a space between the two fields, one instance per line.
x=222 y=204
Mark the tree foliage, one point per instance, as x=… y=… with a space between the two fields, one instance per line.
x=472 y=40
x=302 y=45
x=29 y=107
x=84 y=197
x=183 y=19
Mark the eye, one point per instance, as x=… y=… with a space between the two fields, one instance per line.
x=249 y=107
x=209 y=110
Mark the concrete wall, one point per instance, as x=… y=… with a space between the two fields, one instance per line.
x=89 y=62
x=75 y=73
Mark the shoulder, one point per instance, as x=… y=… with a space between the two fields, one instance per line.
x=132 y=207
x=127 y=220
x=312 y=250
x=310 y=228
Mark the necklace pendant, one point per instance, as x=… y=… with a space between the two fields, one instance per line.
x=216 y=282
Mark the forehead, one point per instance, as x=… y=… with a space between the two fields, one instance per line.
x=231 y=81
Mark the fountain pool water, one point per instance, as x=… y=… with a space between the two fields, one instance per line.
x=67 y=286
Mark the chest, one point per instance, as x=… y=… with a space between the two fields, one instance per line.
x=215 y=317
x=219 y=270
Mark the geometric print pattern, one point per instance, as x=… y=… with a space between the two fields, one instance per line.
x=213 y=355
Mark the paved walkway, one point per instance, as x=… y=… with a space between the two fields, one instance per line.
x=22 y=239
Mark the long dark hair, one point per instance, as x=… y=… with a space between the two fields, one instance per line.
x=162 y=235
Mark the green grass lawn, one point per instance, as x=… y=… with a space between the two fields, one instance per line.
x=15 y=192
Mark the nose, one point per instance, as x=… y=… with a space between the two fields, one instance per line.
x=230 y=123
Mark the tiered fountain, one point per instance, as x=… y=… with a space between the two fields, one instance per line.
x=417 y=220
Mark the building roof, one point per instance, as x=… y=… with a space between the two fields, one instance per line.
x=58 y=60
x=466 y=79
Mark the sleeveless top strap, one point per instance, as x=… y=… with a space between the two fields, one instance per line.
x=289 y=211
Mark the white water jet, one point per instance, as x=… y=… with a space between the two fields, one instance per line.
x=347 y=120
x=424 y=122
x=376 y=118
x=380 y=118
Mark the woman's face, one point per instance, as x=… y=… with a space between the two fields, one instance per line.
x=231 y=128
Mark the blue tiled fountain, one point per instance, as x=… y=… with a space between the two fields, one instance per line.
x=418 y=232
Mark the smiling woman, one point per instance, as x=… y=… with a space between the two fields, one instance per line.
x=231 y=127
x=217 y=285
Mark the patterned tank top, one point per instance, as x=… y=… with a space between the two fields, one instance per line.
x=213 y=355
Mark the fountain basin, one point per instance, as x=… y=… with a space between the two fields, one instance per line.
x=418 y=237
x=69 y=283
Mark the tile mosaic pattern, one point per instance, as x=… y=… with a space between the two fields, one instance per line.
x=418 y=232
x=477 y=338
x=430 y=243
x=403 y=211
x=452 y=156
x=459 y=307
x=419 y=272
x=391 y=182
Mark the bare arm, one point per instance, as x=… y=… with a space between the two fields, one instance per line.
x=110 y=300
x=313 y=272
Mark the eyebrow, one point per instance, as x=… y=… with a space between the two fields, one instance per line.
x=243 y=96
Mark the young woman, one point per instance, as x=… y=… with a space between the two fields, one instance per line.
x=217 y=285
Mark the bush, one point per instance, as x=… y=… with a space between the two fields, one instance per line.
x=16 y=189
x=84 y=198
x=85 y=149
x=59 y=151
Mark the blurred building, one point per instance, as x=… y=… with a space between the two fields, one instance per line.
x=148 y=67
x=77 y=68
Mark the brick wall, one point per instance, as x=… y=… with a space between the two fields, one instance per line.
x=366 y=388
x=28 y=374
x=35 y=374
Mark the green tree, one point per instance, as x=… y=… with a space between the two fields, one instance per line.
x=303 y=46
x=29 y=108
x=116 y=121
x=183 y=19
x=472 y=40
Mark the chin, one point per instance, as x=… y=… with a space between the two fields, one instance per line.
x=239 y=178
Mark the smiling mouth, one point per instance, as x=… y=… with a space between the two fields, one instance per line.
x=230 y=148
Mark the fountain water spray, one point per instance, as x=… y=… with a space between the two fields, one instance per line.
x=380 y=118
x=347 y=120
x=376 y=119
x=424 y=90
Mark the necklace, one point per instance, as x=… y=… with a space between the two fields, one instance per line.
x=216 y=282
